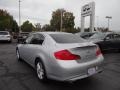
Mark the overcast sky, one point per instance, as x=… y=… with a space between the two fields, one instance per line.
x=39 y=11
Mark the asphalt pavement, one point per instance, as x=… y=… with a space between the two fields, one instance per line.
x=16 y=75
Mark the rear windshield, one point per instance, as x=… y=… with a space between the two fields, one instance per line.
x=3 y=33
x=23 y=34
x=66 y=38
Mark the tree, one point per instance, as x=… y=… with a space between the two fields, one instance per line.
x=7 y=22
x=56 y=19
x=102 y=29
x=27 y=27
x=38 y=27
x=47 y=27
x=76 y=30
x=67 y=18
x=15 y=27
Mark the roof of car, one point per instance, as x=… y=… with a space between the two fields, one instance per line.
x=106 y=33
x=52 y=32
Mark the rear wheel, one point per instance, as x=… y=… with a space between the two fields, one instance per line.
x=41 y=71
x=118 y=50
x=10 y=41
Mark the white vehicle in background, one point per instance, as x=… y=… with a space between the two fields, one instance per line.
x=5 y=36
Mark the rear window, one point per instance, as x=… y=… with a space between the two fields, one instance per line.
x=24 y=33
x=66 y=38
x=3 y=33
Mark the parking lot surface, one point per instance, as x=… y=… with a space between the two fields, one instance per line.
x=16 y=75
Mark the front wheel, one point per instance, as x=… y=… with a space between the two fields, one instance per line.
x=41 y=71
x=118 y=50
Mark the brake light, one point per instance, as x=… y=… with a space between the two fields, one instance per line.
x=66 y=55
x=98 y=52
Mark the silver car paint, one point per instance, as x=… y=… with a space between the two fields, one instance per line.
x=59 y=69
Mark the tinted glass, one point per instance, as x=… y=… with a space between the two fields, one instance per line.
x=116 y=36
x=37 y=39
x=24 y=33
x=110 y=36
x=28 y=40
x=66 y=38
x=3 y=33
x=39 y=36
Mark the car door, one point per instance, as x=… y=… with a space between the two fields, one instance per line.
x=116 y=41
x=24 y=47
x=34 y=48
x=106 y=44
x=110 y=42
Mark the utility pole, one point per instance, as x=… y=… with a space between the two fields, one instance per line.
x=61 y=21
x=19 y=17
x=108 y=17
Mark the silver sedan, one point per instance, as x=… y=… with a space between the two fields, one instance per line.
x=60 y=56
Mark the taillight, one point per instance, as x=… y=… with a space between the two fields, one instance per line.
x=98 y=52
x=66 y=55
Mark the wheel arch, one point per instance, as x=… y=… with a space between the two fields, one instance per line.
x=37 y=59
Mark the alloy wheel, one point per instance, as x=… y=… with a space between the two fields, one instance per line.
x=40 y=71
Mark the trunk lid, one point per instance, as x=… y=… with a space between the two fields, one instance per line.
x=87 y=50
x=87 y=53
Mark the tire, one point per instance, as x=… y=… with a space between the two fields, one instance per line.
x=10 y=41
x=18 y=55
x=118 y=50
x=40 y=70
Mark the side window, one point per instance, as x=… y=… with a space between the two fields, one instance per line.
x=28 y=40
x=116 y=36
x=37 y=39
x=109 y=37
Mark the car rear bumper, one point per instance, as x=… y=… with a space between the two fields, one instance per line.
x=5 y=39
x=65 y=73
x=77 y=77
